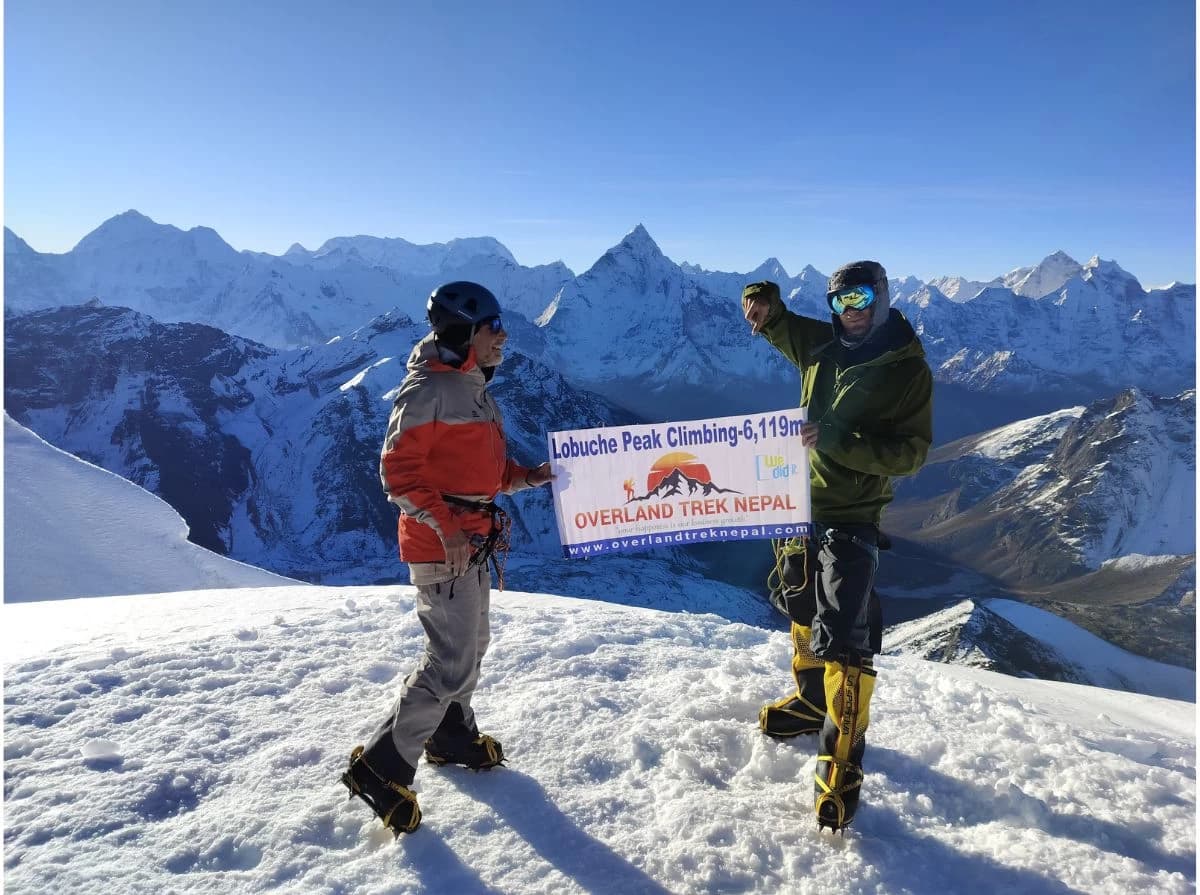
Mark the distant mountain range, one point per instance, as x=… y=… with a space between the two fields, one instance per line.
x=301 y=298
x=660 y=338
x=1065 y=419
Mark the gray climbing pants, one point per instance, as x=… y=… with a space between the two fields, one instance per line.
x=454 y=614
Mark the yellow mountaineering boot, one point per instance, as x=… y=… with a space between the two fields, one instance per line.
x=803 y=711
x=849 y=684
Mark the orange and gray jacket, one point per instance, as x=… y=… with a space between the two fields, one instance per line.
x=445 y=437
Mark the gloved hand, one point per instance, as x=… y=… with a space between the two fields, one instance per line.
x=757 y=301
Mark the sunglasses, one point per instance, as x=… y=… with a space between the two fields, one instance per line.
x=857 y=297
x=491 y=324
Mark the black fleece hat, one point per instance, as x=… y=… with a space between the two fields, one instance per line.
x=859 y=273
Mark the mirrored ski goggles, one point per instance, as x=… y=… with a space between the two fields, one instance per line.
x=858 y=297
x=491 y=324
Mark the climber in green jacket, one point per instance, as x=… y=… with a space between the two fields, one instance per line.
x=868 y=393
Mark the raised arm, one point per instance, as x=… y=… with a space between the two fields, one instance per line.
x=793 y=336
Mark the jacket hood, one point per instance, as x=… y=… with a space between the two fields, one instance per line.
x=430 y=355
x=862 y=273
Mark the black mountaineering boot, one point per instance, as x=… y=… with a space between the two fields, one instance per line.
x=380 y=777
x=803 y=711
x=456 y=742
x=849 y=684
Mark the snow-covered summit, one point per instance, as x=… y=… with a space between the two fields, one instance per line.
x=637 y=241
x=1049 y=275
x=299 y=298
x=961 y=289
x=771 y=269
x=133 y=232
x=400 y=254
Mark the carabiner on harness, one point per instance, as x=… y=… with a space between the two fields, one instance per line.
x=495 y=544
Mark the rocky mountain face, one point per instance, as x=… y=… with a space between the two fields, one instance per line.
x=141 y=399
x=968 y=633
x=270 y=456
x=1089 y=511
x=999 y=635
x=1064 y=494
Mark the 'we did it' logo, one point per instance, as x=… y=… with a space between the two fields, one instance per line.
x=774 y=466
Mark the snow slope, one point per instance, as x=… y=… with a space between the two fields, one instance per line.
x=79 y=537
x=198 y=750
x=192 y=742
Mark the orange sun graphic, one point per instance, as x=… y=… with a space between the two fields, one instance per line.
x=686 y=463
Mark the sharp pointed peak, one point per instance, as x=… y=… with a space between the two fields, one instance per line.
x=639 y=236
x=772 y=268
x=638 y=241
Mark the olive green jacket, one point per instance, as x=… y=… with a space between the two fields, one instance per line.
x=876 y=417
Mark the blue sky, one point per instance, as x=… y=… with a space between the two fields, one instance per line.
x=940 y=138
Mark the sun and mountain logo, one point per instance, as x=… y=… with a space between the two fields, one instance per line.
x=673 y=474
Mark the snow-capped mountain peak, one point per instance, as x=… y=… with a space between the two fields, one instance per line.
x=1050 y=275
x=125 y=227
x=927 y=296
x=637 y=242
x=1110 y=275
x=771 y=269
x=473 y=246
x=132 y=233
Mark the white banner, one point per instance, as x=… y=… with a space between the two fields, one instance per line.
x=667 y=484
